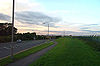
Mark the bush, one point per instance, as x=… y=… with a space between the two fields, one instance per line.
x=5 y=39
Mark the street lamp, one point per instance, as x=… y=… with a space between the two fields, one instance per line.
x=48 y=28
x=13 y=9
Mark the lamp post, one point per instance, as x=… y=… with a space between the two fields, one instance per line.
x=64 y=33
x=48 y=28
x=13 y=9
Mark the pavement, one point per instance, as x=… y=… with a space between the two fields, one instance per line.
x=31 y=58
x=5 y=47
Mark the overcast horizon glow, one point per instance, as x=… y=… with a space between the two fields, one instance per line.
x=74 y=17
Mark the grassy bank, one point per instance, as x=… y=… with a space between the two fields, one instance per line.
x=69 y=52
x=91 y=41
x=23 y=54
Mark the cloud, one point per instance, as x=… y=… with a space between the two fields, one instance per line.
x=94 y=24
x=91 y=31
x=90 y=24
x=4 y=17
x=85 y=27
x=74 y=33
x=20 y=5
x=6 y=7
x=31 y=6
x=37 y=18
x=89 y=27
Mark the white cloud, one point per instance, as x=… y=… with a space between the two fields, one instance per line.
x=5 y=6
x=26 y=5
x=21 y=5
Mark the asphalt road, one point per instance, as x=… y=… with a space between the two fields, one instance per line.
x=33 y=57
x=5 y=47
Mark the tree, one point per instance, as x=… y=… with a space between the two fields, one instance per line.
x=29 y=36
x=6 y=30
x=9 y=30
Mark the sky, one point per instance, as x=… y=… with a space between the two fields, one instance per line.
x=69 y=17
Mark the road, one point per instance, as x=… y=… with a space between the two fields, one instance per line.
x=5 y=47
x=33 y=57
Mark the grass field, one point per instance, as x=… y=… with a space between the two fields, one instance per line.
x=91 y=41
x=69 y=52
x=23 y=54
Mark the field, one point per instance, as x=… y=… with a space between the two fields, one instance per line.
x=93 y=41
x=69 y=52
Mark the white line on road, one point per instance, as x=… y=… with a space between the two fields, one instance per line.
x=6 y=48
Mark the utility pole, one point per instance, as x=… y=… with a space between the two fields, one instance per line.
x=13 y=10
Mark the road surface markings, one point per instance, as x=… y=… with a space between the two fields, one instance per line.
x=6 y=48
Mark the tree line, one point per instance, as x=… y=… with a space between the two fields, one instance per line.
x=6 y=31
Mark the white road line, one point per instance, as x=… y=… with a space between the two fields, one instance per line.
x=6 y=48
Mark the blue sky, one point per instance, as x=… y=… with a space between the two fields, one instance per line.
x=72 y=16
x=76 y=8
x=81 y=11
x=81 y=5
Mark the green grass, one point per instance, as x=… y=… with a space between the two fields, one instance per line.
x=69 y=52
x=23 y=54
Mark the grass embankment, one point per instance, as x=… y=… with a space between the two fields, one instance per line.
x=23 y=54
x=91 y=41
x=69 y=52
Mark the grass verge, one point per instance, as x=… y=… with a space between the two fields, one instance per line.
x=69 y=52
x=23 y=54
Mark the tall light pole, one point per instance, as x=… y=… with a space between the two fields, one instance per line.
x=48 y=29
x=64 y=33
x=13 y=10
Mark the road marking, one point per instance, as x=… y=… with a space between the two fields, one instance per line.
x=17 y=46
x=23 y=50
x=6 y=48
